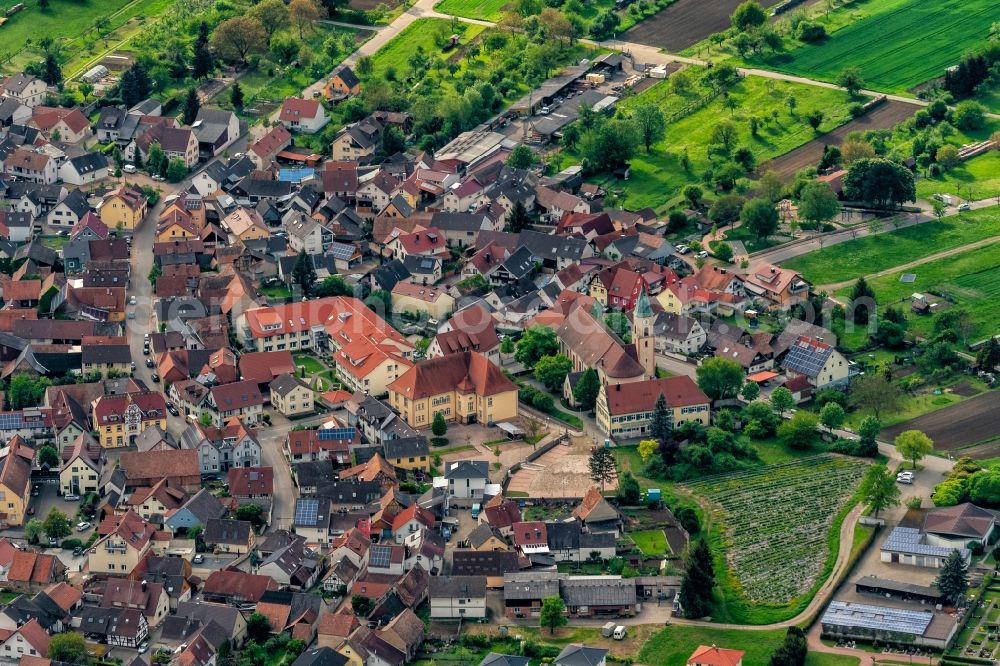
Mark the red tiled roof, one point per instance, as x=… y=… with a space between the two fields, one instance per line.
x=467 y=372
x=245 y=481
x=249 y=587
x=715 y=656
x=294 y=109
x=265 y=366
x=530 y=533
x=680 y=391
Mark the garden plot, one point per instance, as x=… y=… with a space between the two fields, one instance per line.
x=776 y=522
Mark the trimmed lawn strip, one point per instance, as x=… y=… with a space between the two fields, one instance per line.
x=864 y=256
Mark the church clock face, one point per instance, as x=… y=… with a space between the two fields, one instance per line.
x=133 y=416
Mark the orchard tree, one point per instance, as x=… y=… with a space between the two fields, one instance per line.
x=799 y=432
x=272 y=15
x=748 y=16
x=876 y=392
x=651 y=123
x=850 y=80
x=913 y=445
x=304 y=13
x=237 y=38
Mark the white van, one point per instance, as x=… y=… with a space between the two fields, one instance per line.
x=619 y=633
x=129 y=168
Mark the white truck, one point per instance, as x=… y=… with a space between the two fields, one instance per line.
x=608 y=629
x=620 y=632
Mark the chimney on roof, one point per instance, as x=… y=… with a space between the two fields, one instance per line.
x=143 y=586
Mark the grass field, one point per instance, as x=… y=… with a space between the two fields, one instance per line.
x=673 y=645
x=971 y=278
x=659 y=177
x=651 y=542
x=981 y=175
x=420 y=33
x=864 y=256
x=67 y=21
x=898 y=44
x=486 y=10
x=311 y=365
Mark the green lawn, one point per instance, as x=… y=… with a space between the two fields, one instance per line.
x=311 y=365
x=827 y=659
x=864 y=256
x=897 y=44
x=972 y=279
x=278 y=292
x=980 y=174
x=651 y=542
x=673 y=645
x=658 y=177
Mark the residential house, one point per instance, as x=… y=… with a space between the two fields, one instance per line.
x=124 y=541
x=463 y=387
x=302 y=115
x=68 y=212
x=231 y=586
x=144 y=469
x=818 y=361
x=123 y=208
x=343 y=82
x=486 y=538
x=302 y=446
x=596 y=513
x=357 y=140
x=293 y=566
x=410 y=520
x=25 y=88
x=230 y=536
x=291 y=396
x=31 y=166
x=28 y=640
x=781 y=286
x=410 y=453
x=215 y=129
x=82 y=462
x=469 y=329
x=246 y=224
x=16 y=460
x=251 y=482
x=625 y=411
x=457 y=597
x=27 y=571
x=467 y=479
x=436 y=302
x=501 y=515
x=196 y=512
x=576 y=654
x=147 y=597
x=242 y=400
x=365 y=366
x=219 y=449
x=678 y=334
x=84 y=169
x=711 y=655
x=263 y=151
x=67 y=125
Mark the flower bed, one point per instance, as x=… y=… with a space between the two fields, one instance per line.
x=776 y=521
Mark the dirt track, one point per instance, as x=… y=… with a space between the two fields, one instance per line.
x=959 y=425
x=685 y=23
x=882 y=117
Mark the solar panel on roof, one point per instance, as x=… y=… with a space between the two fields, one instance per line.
x=341 y=251
x=11 y=421
x=378 y=556
x=306 y=511
x=335 y=434
x=845 y=614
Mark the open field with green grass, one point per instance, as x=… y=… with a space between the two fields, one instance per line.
x=769 y=563
x=657 y=178
x=871 y=254
x=70 y=22
x=971 y=279
x=486 y=10
x=980 y=175
x=897 y=44
x=673 y=645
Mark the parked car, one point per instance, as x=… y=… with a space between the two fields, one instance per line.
x=131 y=300
x=132 y=365
x=145 y=351
x=143 y=646
x=83 y=527
x=683 y=249
x=172 y=409
x=702 y=255
x=965 y=206
x=71 y=498
x=150 y=363
x=198 y=559
x=156 y=378
x=78 y=551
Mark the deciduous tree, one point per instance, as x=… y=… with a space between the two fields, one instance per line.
x=236 y=38
x=748 y=16
x=651 y=123
x=879 y=182
x=818 y=203
x=878 y=488
x=760 y=217
x=782 y=400
x=537 y=341
x=551 y=371
x=272 y=15
x=720 y=378
x=875 y=392
x=913 y=445
x=832 y=416
x=551 y=616
x=799 y=432
x=57 y=524
x=303 y=13
x=68 y=647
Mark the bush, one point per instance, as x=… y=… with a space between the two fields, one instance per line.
x=810 y=32
x=70 y=544
x=542 y=402
x=439 y=441
x=856 y=110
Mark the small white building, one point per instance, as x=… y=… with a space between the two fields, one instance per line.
x=457 y=597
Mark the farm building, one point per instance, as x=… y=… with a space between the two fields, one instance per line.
x=956 y=526
x=906 y=545
x=863 y=622
x=883 y=587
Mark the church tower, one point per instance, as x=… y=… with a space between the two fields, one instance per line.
x=643 y=336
